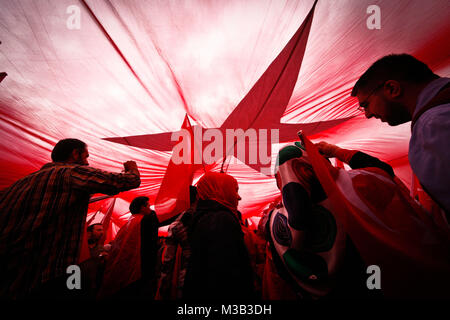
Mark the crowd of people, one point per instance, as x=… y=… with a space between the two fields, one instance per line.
x=316 y=241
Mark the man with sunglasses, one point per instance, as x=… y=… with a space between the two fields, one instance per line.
x=399 y=88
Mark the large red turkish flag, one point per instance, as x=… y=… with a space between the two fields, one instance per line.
x=173 y=196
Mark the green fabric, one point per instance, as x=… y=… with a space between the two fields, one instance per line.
x=304 y=264
x=300 y=145
x=287 y=153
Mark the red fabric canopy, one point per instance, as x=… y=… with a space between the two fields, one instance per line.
x=137 y=67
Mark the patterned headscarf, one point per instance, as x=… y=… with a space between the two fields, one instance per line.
x=219 y=187
x=304 y=233
x=293 y=165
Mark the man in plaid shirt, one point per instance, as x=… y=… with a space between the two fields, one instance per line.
x=42 y=218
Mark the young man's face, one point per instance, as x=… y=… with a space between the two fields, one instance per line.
x=80 y=157
x=381 y=104
x=145 y=209
x=97 y=232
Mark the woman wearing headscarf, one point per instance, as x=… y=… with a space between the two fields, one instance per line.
x=219 y=265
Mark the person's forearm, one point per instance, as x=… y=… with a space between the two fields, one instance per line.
x=344 y=155
x=363 y=160
x=168 y=221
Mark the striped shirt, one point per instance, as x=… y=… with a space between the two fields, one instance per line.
x=42 y=218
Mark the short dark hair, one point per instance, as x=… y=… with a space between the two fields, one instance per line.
x=137 y=203
x=400 y=67
x=63 y=149
x=91 y=227
x=192 y=194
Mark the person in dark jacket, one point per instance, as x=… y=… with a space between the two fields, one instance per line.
x=220 y=266
x=130 y=270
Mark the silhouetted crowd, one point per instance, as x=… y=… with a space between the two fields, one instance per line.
x=340 y=228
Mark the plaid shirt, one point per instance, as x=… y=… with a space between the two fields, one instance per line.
x=42 y=218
